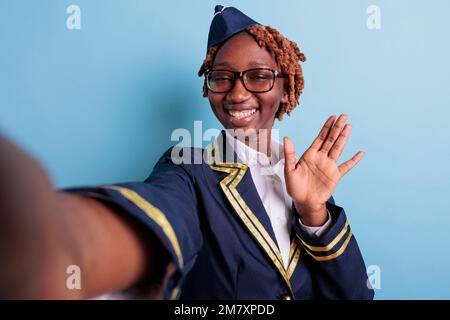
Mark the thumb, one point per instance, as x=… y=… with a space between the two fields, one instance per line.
x=289 y=155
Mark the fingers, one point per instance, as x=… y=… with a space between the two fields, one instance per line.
x=339 y=144
x=289 y=155
x=317 y=143
x=349 y=164
x=333 y=134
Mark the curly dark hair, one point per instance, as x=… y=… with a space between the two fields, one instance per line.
x=287 y=55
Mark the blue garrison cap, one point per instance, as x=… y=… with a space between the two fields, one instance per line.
x=227 y=21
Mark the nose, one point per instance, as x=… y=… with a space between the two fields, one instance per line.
x=238 y=93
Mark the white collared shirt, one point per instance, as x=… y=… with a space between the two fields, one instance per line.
x=270 y=184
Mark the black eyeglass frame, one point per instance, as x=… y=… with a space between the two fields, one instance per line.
x=240 y=75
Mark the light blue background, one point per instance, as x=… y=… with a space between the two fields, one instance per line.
x=98 y=105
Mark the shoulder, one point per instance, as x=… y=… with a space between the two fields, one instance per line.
x=183 y=156
x=176 y=153
x=182 y=160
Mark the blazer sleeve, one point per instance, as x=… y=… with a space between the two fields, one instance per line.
x=166 y=204
x=338 y=267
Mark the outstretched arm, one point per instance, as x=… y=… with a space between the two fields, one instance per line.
x=43 y=231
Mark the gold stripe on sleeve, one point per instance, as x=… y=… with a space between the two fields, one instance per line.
x=155 y=214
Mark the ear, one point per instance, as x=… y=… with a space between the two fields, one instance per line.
x=285 y=97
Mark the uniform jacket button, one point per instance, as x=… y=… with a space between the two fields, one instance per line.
x=285 y=297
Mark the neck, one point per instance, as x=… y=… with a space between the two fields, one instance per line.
x=259 y=140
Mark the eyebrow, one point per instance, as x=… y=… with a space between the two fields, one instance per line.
x=252 y=64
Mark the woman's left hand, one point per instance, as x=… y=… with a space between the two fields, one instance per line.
x=311 y=180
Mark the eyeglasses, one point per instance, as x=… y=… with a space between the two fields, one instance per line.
x=256 y=80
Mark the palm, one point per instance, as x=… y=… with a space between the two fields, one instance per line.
x=311 y=180
x=314 y=179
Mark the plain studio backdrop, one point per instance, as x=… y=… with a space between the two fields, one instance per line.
x=95 y=90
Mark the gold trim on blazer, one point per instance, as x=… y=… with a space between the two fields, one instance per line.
x=294 y=256
x=332 y=244
x=153 y=213
x=334 y=255
x=236 y=172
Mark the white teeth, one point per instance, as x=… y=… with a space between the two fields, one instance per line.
x=241 y=114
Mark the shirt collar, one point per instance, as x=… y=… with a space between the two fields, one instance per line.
x=251 y=156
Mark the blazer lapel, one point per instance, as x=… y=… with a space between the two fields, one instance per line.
x=240 y=190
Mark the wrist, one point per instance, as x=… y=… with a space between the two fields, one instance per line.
x=312 y=216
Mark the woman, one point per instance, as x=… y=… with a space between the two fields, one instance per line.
x=235 y=225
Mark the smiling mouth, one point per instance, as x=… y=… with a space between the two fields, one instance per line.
x=240 y=114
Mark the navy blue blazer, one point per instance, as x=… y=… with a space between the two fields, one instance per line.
x=211 y=219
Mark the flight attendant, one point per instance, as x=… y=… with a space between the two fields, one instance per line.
x=249 y=220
